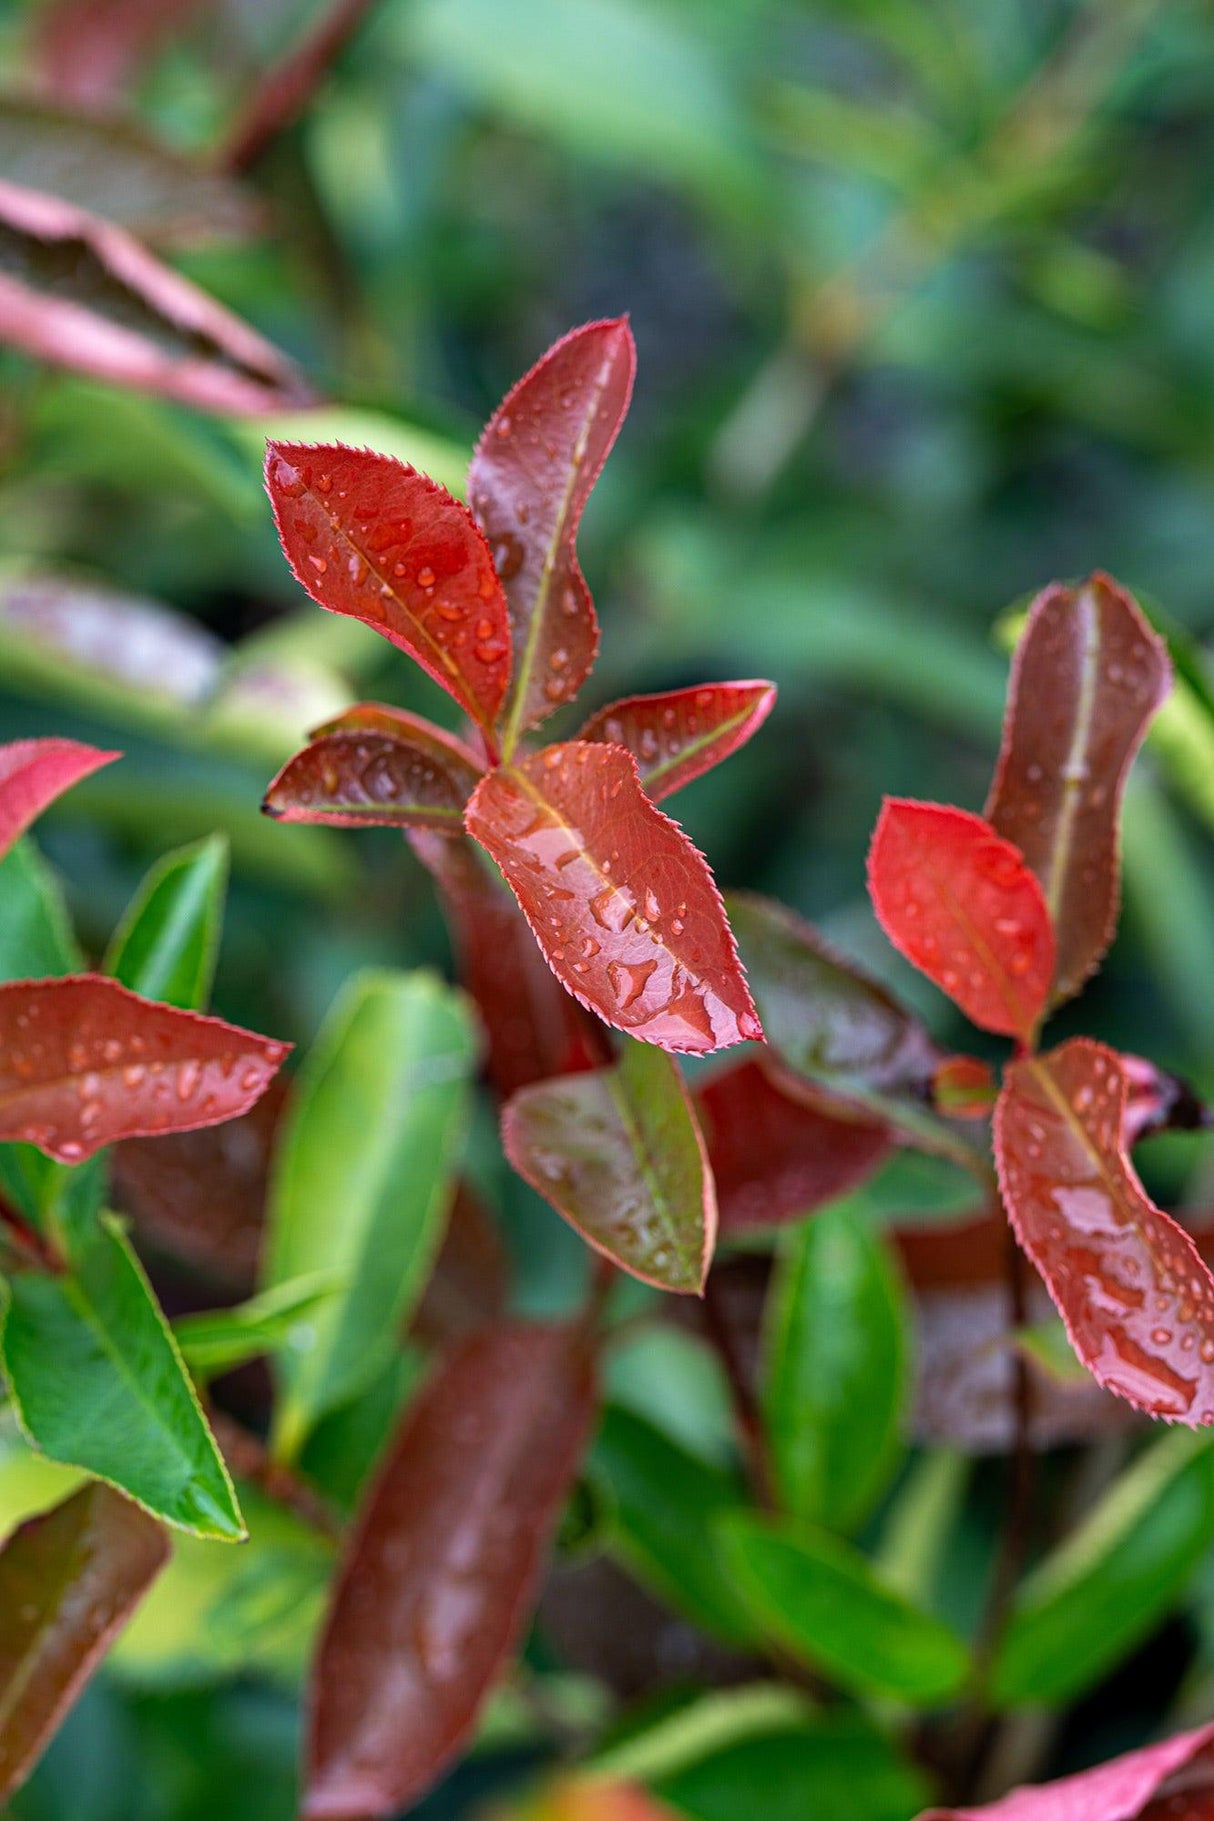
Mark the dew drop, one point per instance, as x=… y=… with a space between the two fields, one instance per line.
x=425 y=576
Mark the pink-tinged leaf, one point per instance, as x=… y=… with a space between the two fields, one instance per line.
x=80 y=292
x=959 y=902
x=443 y=1566
x=1135 y=1294
x=679 y=735
x=373 y=770
x=618 y=1153
x=623 y=906
x=370 y=537
x=1159 y=1102
x=530 y=478
x=1088 y=675
x=587 y=1798
x=34 y=772
x=534 y=1029
x=963 y=1087
x=90 y=51
x=775 y=1157
x=84 y=1063
x=69 y=1581
x=92 y=634
x=1173 y=1781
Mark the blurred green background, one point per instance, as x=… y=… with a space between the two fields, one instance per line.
x=922 y=292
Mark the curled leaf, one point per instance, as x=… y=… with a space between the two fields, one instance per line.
x=682 y=733
x=369 y=776
x=34 y=772
x=621 y=903
x=1173 y=1781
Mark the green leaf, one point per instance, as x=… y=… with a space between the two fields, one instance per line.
x=167 y=942
x=363 y=1179
x=834 y=1769
x=224 y=1338
x=699 y=1728
x=835 y=1369
x=1106 y=1587
x=98 y=1383
x=819 y=1598
x=665 y=1503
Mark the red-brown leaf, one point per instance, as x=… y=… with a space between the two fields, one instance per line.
x=84 y=1062
x=370 y=537
x=775 y=1157
x=623 y=906
x=1131 y=1286
x=964 y=1087
x=374 y=772
x=531 y=475
x=959 y=902
x=80 y=292
x=1089 y=674
x=470 y=1282
x=69 y=1580
x=34 y=772
x=443 y=1566
x=682 y=733
x=1173 y=1781
x=89 y=51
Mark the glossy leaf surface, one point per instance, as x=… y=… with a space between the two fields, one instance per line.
x=80 y=292
x=1142 y=1785
x=835 y=1369
x=167 y=944
x=531 y=475
x=370 y=537
x=623 y=906
x=819 y=1598
x=775 y=1157
x=443 y=1566
x=33 y=773
x=98 y=1383
x=69 y=1581
x=83 y=1063
x=363 y=1178
x=369 y=776
x=618 y=1153
x=959 y=902
x=682 y=733
x=1135 y=1294
x=1088 y=675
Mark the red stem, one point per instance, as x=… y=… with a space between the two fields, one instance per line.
x=280 y=99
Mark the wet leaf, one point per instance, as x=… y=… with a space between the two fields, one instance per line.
x=368 y=536
x=84 y=1062
x=443 y=1566
x=1135 y=1293
x=69 y=1581
x=531 y=475
x=775 y=1157
x=98 y=1383
x=167 y=944
x=623 y=906
x=80 y=292
x=378 y=767
x=682 y=733
x=33 y=773
x=959 y=902
x=1147 y=1785
x=1088 y=675
x=618 y=1153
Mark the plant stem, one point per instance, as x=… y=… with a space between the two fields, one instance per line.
x=250 y=1459
x=279 y=100
x=33 y=1249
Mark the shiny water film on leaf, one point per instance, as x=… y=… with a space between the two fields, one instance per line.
x=443 y=1565
x=370 y=537
x=530 y=477
x=33 y=773
x=1088 y=675
x=682 y=733
x=1135 y=1294
x=959 y=902
x=618 y=1153
x=366 y=778
x=623 y=906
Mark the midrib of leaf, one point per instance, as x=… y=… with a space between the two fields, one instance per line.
x=20 y=1681
x=1074 y=772
x=649 y=1174
x=720 y=731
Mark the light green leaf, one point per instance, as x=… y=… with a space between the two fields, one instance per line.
x=167 y=942
x=224 y=1338
x=363 y=1179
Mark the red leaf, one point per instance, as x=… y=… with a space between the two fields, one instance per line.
x=470 y=1282
x=1159 y=1102
x=1131 y=1286
x=69 y=1580
x=618 y=1153
x=958 y=901
x=81 y=293
x=1089 y=674
x=84 y=1062
x=535 y=1030
x=963 y=1087
x=34 y=772
x=679 y=735
x=1148 y=1785
x=443 y=1566
x=374 y=768
x=531 y=474
x=773 y=1156
x=370 y=537
x=89 y=51
x=623 y=906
